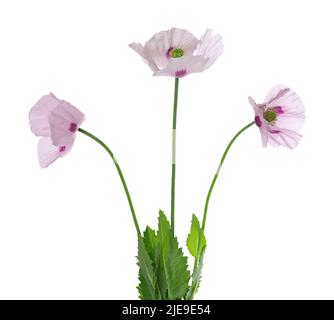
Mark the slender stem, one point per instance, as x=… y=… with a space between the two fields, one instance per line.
x=119 y=173
x=218 y=170
x=215 y=179
x=172 y=210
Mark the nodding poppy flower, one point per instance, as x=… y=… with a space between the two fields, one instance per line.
x=57 y=122
x=280 y=117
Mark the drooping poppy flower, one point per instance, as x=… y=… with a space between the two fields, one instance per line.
x=280 y=117
x=177 y=52
x=57 y=122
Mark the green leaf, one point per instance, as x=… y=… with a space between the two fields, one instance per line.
x=150 y=240
x=196 y=241
x=163 y=270
x=196 y=279
x=171 y=265
x=147 y=277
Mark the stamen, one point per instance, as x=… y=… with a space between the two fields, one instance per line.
x=175 y=53
x=270 y=115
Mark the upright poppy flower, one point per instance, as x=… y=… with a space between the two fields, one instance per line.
x=177 y=53
x=280 y=117
x=57 y=122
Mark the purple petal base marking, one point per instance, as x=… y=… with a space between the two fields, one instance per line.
x=62 y=148
x=278 y=110
x=180 y=73
x=258 y=121
x=168 y=53
x=73 y=127
x=274 y=131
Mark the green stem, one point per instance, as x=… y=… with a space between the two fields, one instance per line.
x=215 y=179
x=218 y=170
x=172 y=210
x=119 y=173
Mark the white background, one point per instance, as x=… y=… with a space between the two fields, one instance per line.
x=66 y=231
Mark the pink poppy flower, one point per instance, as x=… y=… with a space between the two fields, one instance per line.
x=280 y=117
x=57 y=122
x=177 y=53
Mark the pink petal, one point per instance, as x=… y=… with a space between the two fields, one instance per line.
x=290 y=117
x=180 y=38
x=140 y=50
x=264 y=136
x=64 y=121
x=256 y=108
x=275 y=93
x=158 y=46
x=48 y=153
x=293 y=116
x=286 y=98
x=210 y=47
x=284 y=137
x=183 y=66
x=39 y=114
x=290 y=121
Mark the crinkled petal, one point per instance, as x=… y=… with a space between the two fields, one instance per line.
x=180 y=38
x=181 y=67
x=140 y=50
x=293 y=116
x=290 y=121
x=64 y=121
x=264 y=136
x=275 y=93
x=39 y=115
x=278 y=137
x=284 y=137
x=260 y=122
x=210 y=47
x=256 y=107
x=286 y=98
x=157 y=48
x=49 y=153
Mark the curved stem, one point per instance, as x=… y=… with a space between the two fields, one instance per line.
x=218 y=170
x=172 y=210
x=215 y=179
x=100 y=142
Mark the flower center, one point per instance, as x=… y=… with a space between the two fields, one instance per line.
x=175 y=52
x=270 y=115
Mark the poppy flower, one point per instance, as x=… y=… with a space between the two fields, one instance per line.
x=57 y=122
x=177 y=53
x=280 y=117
